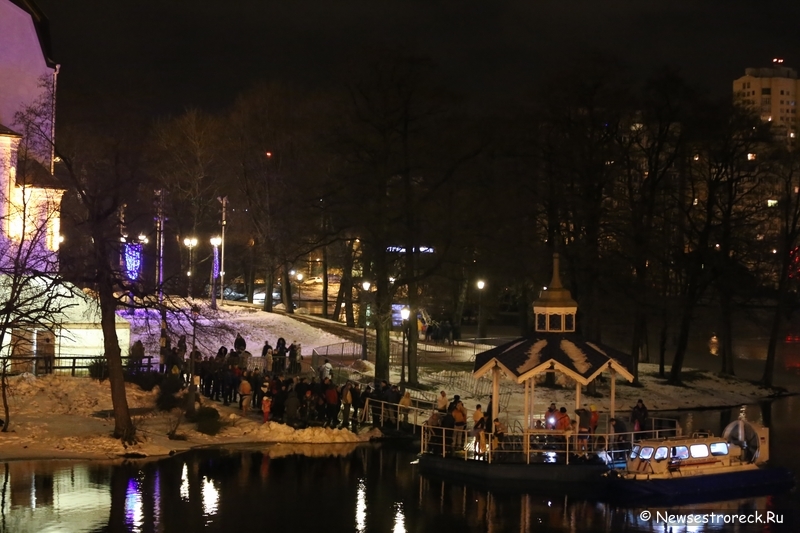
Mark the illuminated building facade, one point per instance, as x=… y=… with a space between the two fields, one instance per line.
x=30 y=196
x=772 y=93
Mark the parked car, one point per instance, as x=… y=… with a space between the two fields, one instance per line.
x=310 y=281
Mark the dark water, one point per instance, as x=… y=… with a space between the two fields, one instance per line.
x=365 y=489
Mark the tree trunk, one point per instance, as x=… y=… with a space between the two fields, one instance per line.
x=683 y=342
x=772 y=346
x=123 y=427
x=662 y=342
x=325 y=282
x=726 y=333
x=286 y=287
x=269 y=286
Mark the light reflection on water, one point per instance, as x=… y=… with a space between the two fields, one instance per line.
x=372 y=489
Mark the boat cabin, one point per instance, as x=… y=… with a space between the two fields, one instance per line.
x=682 y=454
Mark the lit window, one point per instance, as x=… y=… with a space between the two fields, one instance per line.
x=772 y=203
x=751 y=156
x=719 y=448
x=680 y=452
x=661 y=453
x=699 y=450
x=646 y=453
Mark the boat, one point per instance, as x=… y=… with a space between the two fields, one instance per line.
x=700 y=466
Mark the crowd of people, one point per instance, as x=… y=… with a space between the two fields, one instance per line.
x=280 y=393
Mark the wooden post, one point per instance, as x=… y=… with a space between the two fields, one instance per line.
x=577 y=395
x=613 y=393
x=526 y=414
x=73 y=366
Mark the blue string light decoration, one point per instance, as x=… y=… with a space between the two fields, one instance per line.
x=133 y=260
x=216 y=262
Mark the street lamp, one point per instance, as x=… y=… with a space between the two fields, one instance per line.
x=299 y=289
x=190 y=243
x=365 y=285
x=480 y=286
x=404 y=313
x=215 y=242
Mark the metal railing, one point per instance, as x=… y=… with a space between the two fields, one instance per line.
x=537 y=445
x=73 y=365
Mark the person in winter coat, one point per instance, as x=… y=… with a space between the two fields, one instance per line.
x=358 y=403
x=331 y=405
x=239 y=344
x=639 y=416
x=266 y=404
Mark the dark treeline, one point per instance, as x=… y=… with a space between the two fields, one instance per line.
x=656 y=196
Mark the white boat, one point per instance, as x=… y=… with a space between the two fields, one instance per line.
x=702 y=465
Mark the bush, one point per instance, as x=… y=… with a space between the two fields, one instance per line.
x=145 y=380
x=170 y=386
x=98 y=369
x=208 y=421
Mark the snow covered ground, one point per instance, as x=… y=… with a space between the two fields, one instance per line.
x=60 y=416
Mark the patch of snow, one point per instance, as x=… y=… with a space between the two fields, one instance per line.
x=534 y=356
x=579 y=360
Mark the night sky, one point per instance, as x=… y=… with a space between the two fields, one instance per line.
x=175 y=54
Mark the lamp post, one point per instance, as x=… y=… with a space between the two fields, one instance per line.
x=480 y=286
x=215 y=242
x=365 y=285
x=299 y=289
x=404 y=312
x=221 y=270
x=190 y=243
x=192 y=392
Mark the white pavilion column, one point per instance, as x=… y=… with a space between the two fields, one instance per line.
x=533 y=402
x=613 y=393
x=495 y=394
x=526 y=413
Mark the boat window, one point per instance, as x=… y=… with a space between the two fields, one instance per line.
x=699 y=450
x=719 y=448
x=661 y=453
x=680 y=452
x=635 y=452
x=646 y=453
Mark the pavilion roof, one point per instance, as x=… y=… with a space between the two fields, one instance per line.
x=540 y=352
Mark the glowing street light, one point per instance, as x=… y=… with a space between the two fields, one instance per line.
x=299 y=288
x=365 y=285
x=481 y=284
x=404 y=314
x=215 y=242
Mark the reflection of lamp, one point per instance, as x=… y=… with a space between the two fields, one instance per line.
x=404 y=313
x=190 y=243
x=480 y=286
x=299 y=288
x=215 y=242
x=365 y=285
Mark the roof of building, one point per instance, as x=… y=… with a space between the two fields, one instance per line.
x=568 y=353
x=8 y=132
x=32 y=173
x=42 y=26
